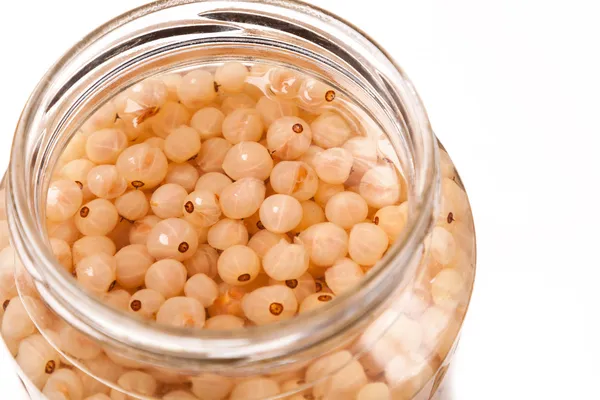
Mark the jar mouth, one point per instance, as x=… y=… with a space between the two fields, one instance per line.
x=303 y=25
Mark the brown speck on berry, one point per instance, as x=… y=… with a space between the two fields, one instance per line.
x=318 y=286
x=450 y=218
x=292 y=283
x=330 y=96
x=79 y=184
x=50 y=366
x=5 y=304
x=136 y=305
x=183 y=247
x=243 y=278
x=298 y=128
x=260 y=225
x=376 y=220
x=324 y=298
x=276 y=308
x=216 y=86
x=112 y=285
x=137 y=184
x=189 y=207
x=84 y=212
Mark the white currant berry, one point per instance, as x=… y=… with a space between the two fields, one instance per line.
x=197 y=89
x=330 y=130
x=325 y=242
x=208 y=122
x=184 y=312
x=238 y=265
x=280 y=213
x=212 y=154
x=90 y=245
x=167 y=277
x=183 y=174
x=242 y=198
x=367 y=243
x=231 y=76
x=182 y=144
x=248 y=159
x=226 y=233
x=172 y=238
x=270 y=304
x=63 y=200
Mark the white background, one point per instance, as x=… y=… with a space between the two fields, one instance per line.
x=512 y=88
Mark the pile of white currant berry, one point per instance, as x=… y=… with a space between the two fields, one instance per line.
x=236 y=211
x=223 y=199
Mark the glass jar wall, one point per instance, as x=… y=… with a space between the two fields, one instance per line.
x=393 y=333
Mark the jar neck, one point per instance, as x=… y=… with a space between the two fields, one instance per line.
x=173 y=34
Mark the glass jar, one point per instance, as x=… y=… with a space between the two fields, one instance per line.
x=397 y=331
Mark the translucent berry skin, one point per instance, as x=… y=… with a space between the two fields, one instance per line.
x=248 y=159
x=183 y=174
x=367 y=243
x=315 y=301
x=224 y=322
x=213 y=182
x=62 y=252
x=213 y=154
x=380 y=186
x=312 y=214
x=63 y=200
x=171 y=115
x=201 y=208
x=280 y=213
x=294 y=178
x=392 y=219
x=197 y=89
x=208 y=122
x=133 y=262
x=333 y=165
x=97 y=218
x=326 y=243
x=97 y=273
x=104 y=147
x=172 y=238
x=270 y=304
x=167 y=277
x=238 y=265
x=183 y=312
x=226 y=233
x=263 y=240
x=142 y=228
x=242 y=198
x=288 y=138
x=132 y=205
x=142 y=166
x=273 y=109
x=204 y=261
x=286 y=261
x=346 y=209
x=343 y=276
x=104 y=181
x=182 y=144
x=146 y=303
x=231 y=76
x=330 y=130
x=243 y=124
x=90 y=245
x=202 y=288
x=167 y=201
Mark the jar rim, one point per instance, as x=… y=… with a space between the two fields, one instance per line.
x=256 y=344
